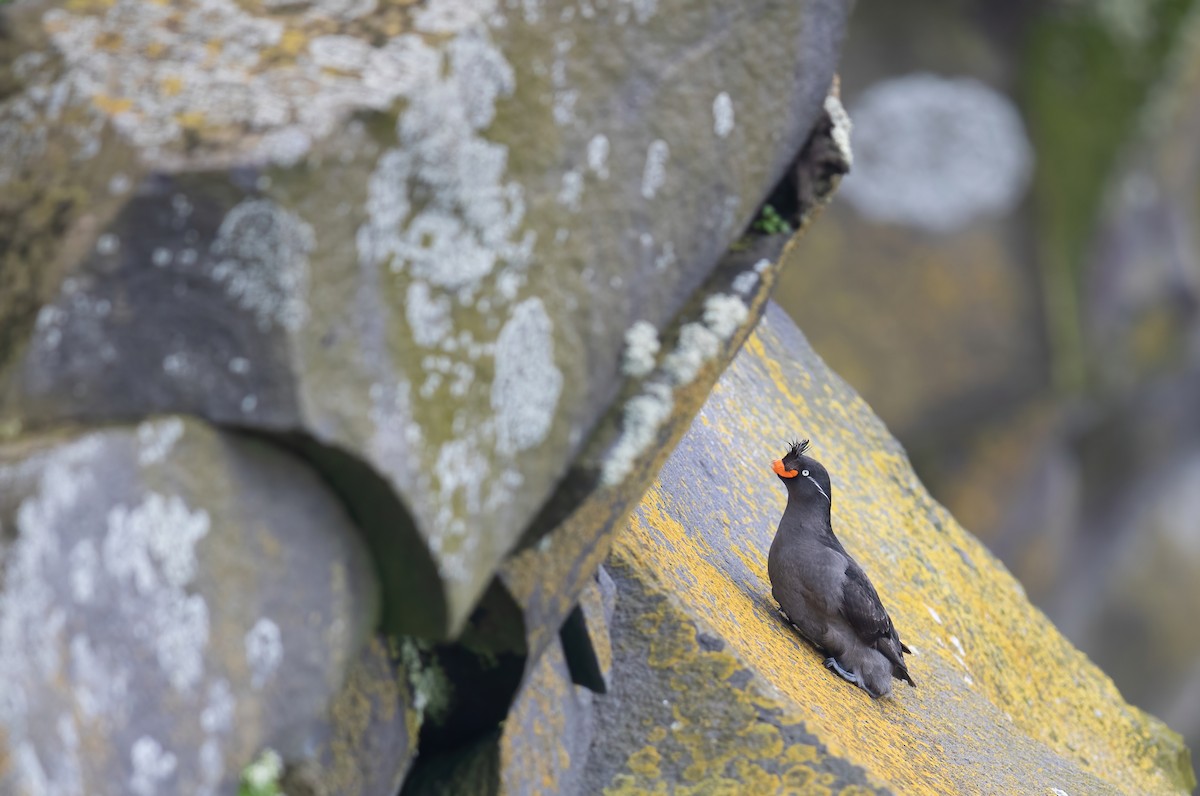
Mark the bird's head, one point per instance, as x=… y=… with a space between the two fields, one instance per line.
x=804 y=476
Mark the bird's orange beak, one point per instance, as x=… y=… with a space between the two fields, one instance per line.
x=782 y=471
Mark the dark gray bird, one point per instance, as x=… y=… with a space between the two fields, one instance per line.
x=822 y=591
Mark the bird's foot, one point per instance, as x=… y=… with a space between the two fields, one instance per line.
x=835 y=667
x=786 y=618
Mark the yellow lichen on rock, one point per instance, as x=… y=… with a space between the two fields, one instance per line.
x=1004 y=705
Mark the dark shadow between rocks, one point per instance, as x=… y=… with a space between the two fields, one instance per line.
x=580 y=653
x=413 y=600
x=459 y=741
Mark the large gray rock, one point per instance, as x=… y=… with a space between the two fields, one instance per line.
x=172 y=600
x=713 y=691
x=412 y=237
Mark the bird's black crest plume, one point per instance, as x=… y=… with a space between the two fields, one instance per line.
x=797 y=448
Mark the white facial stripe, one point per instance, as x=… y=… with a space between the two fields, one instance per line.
x=819 y=489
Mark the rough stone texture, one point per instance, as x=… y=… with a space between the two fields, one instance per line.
x=369 y=736
x=547 y=733
x=574 y=530
x=413 y=236
x=173 y=599
x=713 y=689
x=687 y=715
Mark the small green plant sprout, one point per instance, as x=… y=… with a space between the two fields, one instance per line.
x=261 y=777
x=770 y=222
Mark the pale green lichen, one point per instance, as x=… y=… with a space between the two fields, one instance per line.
x=769 y=222
x=431 y=689
x=261 y=777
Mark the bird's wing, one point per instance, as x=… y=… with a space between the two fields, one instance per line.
x=862 y=608
x=824 y=577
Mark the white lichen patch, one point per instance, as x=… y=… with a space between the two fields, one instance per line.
x=565 y=95
x=119 y=184
x=597 y=155
x=744 y=283
x=100 y=681
x=152 y=766
x=934 y=614
x=46 y=104
x=641 y=349
x=264 y=651
x=108 y=244
x=77 y=314
x=261 y=260
x=666 y=257
x=654 y=173
x=642 y=11
x=156 y=439
x=699 y=343
x=452 y=16
x=150 y=549
x=571 y=191
x=217 y=715
x=31 y=619
x=428 y=314
x=936 y=153
x=473 y=220
x=396 y=441
x=723 y=119
x=212 y=766
x=527 y=383
x=641 y=420
x=724 y=314
x=167 y=74
x=842 y=128
x=103 y=615
x=83 y=561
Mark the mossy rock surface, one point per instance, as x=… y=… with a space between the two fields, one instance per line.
x=713 y=690
x=410 y=238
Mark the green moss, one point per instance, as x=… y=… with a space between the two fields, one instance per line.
x=769 y=222
x=1084 y=83
x=432 y=690
x=261 y=777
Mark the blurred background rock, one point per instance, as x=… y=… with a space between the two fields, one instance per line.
x=1010 y=276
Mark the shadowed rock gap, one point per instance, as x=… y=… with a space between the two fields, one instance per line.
x=413 y=602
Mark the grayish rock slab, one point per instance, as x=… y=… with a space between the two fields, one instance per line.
x=409 y=237
x=172 y=600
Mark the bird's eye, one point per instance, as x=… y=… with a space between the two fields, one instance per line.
x=804 y=473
